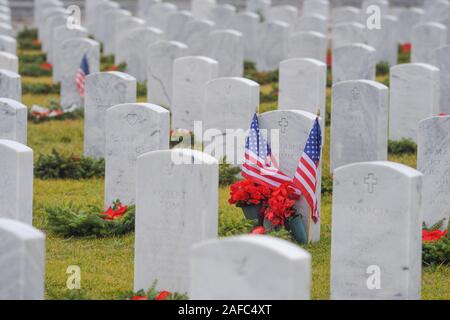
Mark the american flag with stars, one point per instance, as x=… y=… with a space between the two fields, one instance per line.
x=259 y=164
x=80 y=77
x=305 y=178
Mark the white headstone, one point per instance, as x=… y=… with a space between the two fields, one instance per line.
x=16 y=181
x=284 y=13
x=442 y=61
x=131 y=130
x=227 y=48
x=190 y=76
x=200 y=8
x=176 y=25
x=308 y=44
x=289 y=131
x=353 y=62
x=359 y=125
x=22 y=261
x=414 y=96
x=384 y=40
x=159 y=13
x=8 y=44
x=257 y=6
x=321 y=7
x=436 y=10
x=236 y=268
x=72 y=52
x=433 y=160
x=345 y=14
x=378 y=204
x=144 y=7
x=249 y=25
x=312 y=22
x=177 y=206
x=273 y=45
x=348 y=33
x=10 y=85
x=103 y=90
x=303 y=85
x=160 y=58
x=13 y=120
x=9 y=62
x=111 y=19
x=196 y=36
x=223 y=15
x=427 y=37
x=123 y=27
x=407 y=19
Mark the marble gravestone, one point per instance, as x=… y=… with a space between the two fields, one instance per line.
x=249 y=25
x=13 y=120
x=50 y=24
x=436 y=10
x=10 y=85
x=308 y=45
x=321 y=7
x=347 y=33
x=200 y=8
x=382 y=4
x=16 y=181
x=354 y=62
x=103 y=91
x=60 y=34
x=176 y=25
x=228 y=109
x=9 y=62
x=196 y=36
x=8 y=44
x=123 y=27
x=102 y=9
x=376 y=232
x=312 y=22
x=176 y=207
x=284 y=13
x=345 y=14
x=302 y=85
x=273 y=45
x=384 y=40
x=257 y=6
x=433 y=160
x=407 y=19
x=111 y=19
x=158 y=14
x=134 y=50
x=442 y=61
x=236 y=268
x=288 y=131
x=190 y=76
x=359 y=126
x=144 y=7
x=427 y=37
x=131 y=129
x=414 y=96
x=22 y=261
x=6 y=29
x=223 y=15
x=227 y=48
x=160 y=58
x=72 y=52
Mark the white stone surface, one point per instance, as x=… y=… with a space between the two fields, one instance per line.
x=223 y=15
x=354 y=62
x=321 y=7
x=177 y=206
x=433 y=160
x=345 y=14
x=10 y=85
x=72 y=52
x=22 y=261
x=284 y=13
x=359 y=126
x=302 y=85
x=427 y=37
x=8 y=44
x=160 y=58
x=13 y=120
x=308 y=45
x=200 y=8
x=176 y=25
x=103 y=91
x=289 y=131
x=442 y=61
x=16 y=181
x=376 y=232
x=347 y=33
x=227 y=48
x=312 y=22
x=414 y=95
x=132 y=129
x=257 y=6
x=407 y=19
x=111 y=18
x=159 y=13
x=190 y=76
x=248 y=23
x=50 y=24
x=144 y=7
x=236 y=268
x=384 y=40
x=273 y=45
x=196 y=36
x=123 y=27
x=9 y=62
x=436 y=10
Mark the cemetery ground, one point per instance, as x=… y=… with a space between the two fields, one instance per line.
x=107 y=263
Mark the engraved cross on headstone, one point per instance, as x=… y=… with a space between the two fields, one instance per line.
x=371 y=181
x=283 y=125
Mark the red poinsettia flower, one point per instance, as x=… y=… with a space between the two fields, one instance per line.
x=36 y=42
x=113 y=68
x=259 y=230
x=329 y=58
x=281 y=205
x=434 y=235
x=46 y=66
x=163 y=295
x=139 y=298
x=406 y=48
x=247 y=192
x=115 y=212
x=442 y=114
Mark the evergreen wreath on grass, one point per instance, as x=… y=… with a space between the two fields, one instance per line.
x=72 y=221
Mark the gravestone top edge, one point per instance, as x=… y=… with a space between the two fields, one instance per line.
x=303 y=113
x=415 y=64
x=149 y=106
x=15 y=146
x=237 y=79
x=300 y=60
x=401 y=168
x=356 y=24
x=196 y=58
x=434 y=119
x=227 y=31
x=14 y=103
x=315 y=33
x=8 y=55
x=20 y=230
x=372 y=83
x=118 y=74
x=357 y=45
x=313 y=15
x=200 y=157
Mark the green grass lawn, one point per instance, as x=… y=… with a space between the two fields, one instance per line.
x=107 y=264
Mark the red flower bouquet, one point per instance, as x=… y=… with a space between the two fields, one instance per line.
x=281 y=205
x=248 y=193
x=433 y=235
x=46 y=66
x=116 y=211
x=406 y=48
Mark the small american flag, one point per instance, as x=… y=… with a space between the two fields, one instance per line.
x=82 y=72
x=258 y=163
x=305 y=178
